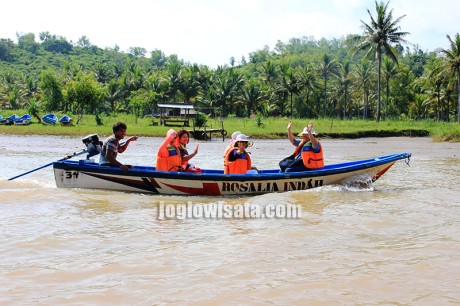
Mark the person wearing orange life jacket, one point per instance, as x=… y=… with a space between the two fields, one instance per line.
x=308 y=154
x=230 y=147
x=182 y=139
x=168 y=156
x=238 y=160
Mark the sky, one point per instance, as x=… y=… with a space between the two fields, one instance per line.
x=210 y=32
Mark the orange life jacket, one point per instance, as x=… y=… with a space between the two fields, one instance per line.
x=310 y=159
x=240 y=165
x=171 y=163
x=228 y=149
x=297 y=149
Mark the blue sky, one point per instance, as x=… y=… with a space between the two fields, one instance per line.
x=211 y=31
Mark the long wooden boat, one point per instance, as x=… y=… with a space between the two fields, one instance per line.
x=84 y=174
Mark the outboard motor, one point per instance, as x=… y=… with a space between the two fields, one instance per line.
x=93 y=145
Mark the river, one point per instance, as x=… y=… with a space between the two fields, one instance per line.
x=395 y=242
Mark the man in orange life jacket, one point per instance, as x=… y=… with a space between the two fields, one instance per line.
x=308 y=153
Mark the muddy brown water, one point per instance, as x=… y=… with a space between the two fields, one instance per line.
x=396 y=242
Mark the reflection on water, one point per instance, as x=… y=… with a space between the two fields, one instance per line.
x=394 y=242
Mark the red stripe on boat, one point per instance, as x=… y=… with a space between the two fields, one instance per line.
x=380 y=173
x=208 y=189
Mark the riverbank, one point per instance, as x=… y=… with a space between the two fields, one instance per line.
x=267 y=128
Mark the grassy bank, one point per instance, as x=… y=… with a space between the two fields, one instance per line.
x=271 y=128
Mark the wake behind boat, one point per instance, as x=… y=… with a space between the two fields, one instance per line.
x=85 y=174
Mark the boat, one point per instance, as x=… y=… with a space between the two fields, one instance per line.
x=145 y=179
x=65 y=120
x=50 y=119
x=9 y=120
x=23 y=120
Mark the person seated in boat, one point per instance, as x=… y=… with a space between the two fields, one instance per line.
x=183 y=138
x=231 y=145
x=308 y=154
x=237 y=160
x=168 y=156
x=111 y=147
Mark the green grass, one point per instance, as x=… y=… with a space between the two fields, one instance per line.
x=272 y=127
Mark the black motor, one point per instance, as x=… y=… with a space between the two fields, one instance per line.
x=93 y=145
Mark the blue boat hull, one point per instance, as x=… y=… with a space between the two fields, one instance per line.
x=10 y=120
x=80 y=174
x=50 y=119
x=65 y=120
x=24 y=120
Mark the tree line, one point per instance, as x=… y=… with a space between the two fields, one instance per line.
x=376 y=75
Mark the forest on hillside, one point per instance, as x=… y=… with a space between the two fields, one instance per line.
x=368 y=76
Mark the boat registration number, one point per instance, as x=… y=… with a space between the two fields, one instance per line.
x=71 y=175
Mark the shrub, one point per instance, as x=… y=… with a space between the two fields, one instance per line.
x=200 y=119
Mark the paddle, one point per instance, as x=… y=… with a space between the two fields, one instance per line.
x=44 y=166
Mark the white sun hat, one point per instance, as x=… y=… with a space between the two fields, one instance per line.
x=305 y=132
x=235 y=134
x=242 y=137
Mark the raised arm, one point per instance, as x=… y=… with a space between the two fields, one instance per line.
x=313 y=140
x=190 y=156
x=122 y=148
x=290 y=135
x=163 y=150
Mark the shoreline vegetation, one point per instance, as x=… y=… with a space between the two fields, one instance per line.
x=265 y=128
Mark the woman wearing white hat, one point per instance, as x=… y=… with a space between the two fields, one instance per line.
x=237 y=160
x=308 y=153
x=231 y=144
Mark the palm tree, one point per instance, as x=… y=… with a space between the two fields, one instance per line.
x=434 y=80
x=113 y=92
x=31 y=87
x=453 y=64
x=389 y=71
x=226 y=85
x=270 y=77
x=236 y=83
x=345 y=80
x=33 y=109
x=327 y=68
x=269 y=73
x=251 y=96
x=190 y=85
x=174 y=79
x=307 y=80
x=450 y=86
x=419 y=106
x=289 y=82
x=378 y=37
x=364 y=73
x=101 y=72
